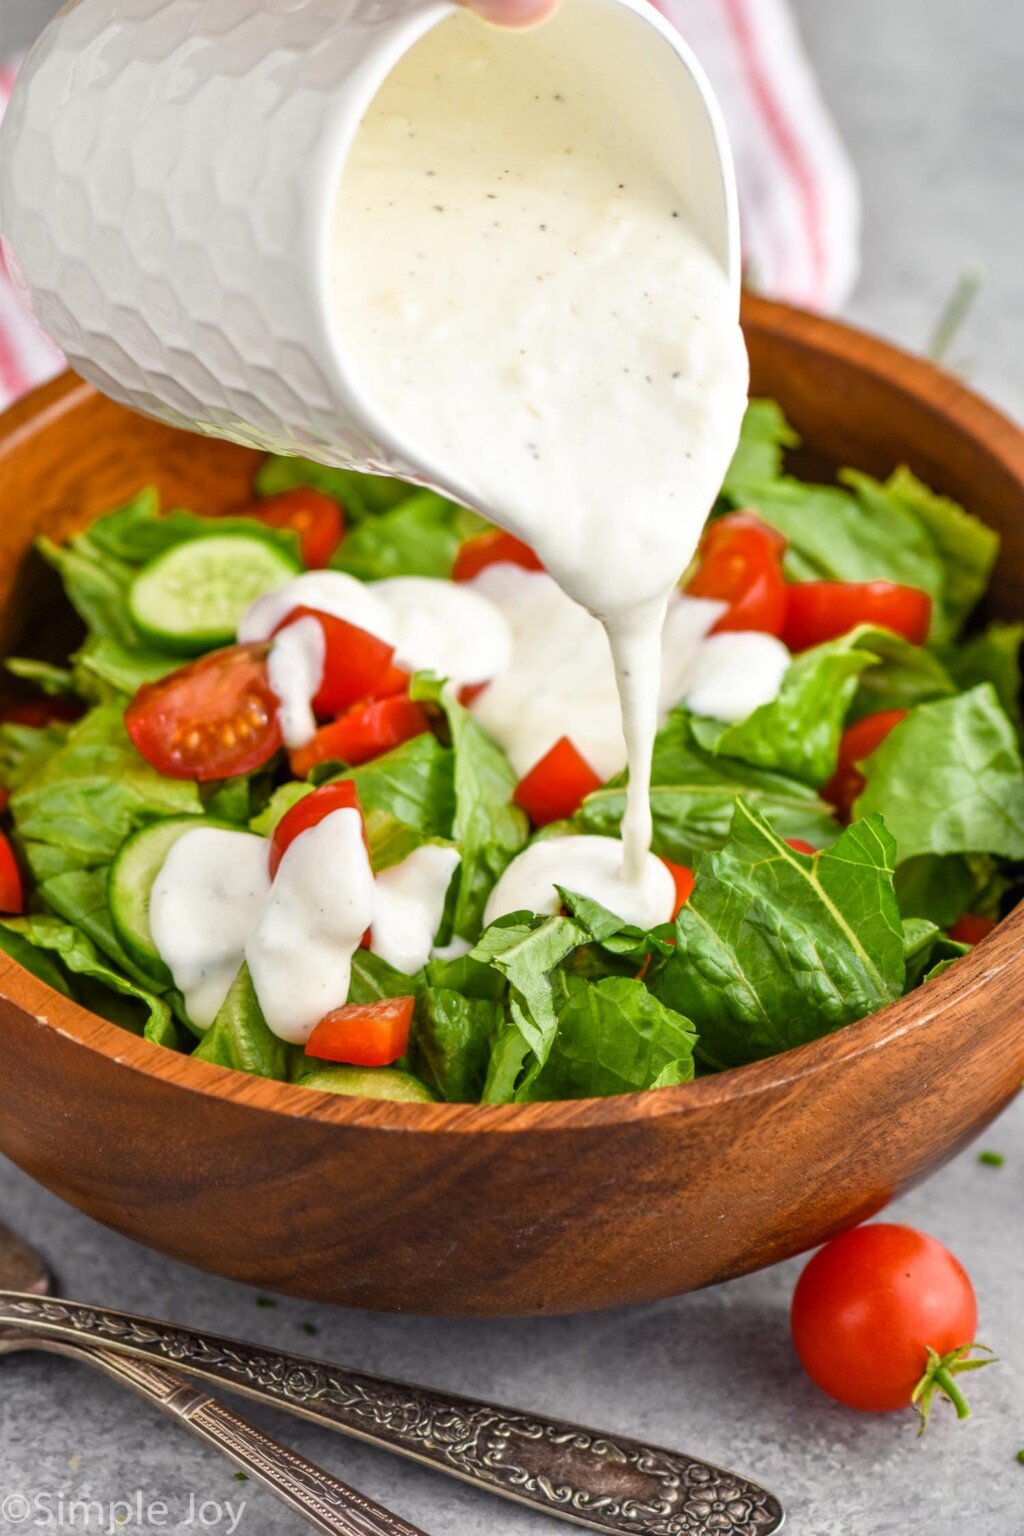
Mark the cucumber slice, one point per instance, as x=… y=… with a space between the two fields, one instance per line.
x=130 y=881
x=191 y=597
x=368 y=1083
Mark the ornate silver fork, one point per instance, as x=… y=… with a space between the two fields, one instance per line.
x=603 y=1481
x=327 y=1504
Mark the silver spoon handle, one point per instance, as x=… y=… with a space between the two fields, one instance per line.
x=325 y=1503
x=603 y=1481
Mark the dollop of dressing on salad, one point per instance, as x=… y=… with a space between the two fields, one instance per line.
x=591 y=866
x=320 y=905
x=523 y=298
x=205 y=902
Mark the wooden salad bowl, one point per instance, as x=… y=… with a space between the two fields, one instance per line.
x=538 y=1208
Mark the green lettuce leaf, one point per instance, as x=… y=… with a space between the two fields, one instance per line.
x=488 y=827
x=144 y=1012
x=526 y=949
x=573 y=1024
x=798 y=732
x=613 y=1036
x=775 y=948
x=373 y=978
x=942 y=888
x=113 y=665
x=926 y=948
x=764 y=438
x=33 y=959
x=992 y=657
x=904 y=675
x=240 y=1037
x=80 y=897
x=966 y=547
x=77 y=808
x=694 y=793
x=25 y=748
x=451 y=1042
x=360 y=495
x=57 y=682
x=949 y=779
x=419 y=537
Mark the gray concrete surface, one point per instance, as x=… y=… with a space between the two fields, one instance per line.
x=928 y=92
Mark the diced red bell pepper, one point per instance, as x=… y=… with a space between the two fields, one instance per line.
x=683 y=877
x=857 y=742
x=492 y=548
x=12 y=887
x=824 y=610
x=364 y=1034
x=365 y=732
x=971 y=929
x=741 y=565
x=309 y=812
x=557 y=785
x=357 y=665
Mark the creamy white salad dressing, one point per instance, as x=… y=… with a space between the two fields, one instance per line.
x=525 y=301
x=560 y=680
x=205 y=902
x=408 y=905
x=295 y=671
x=320 y=905
x=591 y=866
x=447 y=628
x=735 y=673
x=332 y=592
x=213 y=905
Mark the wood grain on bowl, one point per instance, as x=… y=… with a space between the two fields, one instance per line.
x=463 y=1209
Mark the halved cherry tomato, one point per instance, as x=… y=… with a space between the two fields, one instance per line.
x=356 y=663
x=683 y=878
x=798 y=845
x=12 y=887
x=868 y=1308
x=363 y=733
x=213 y=719
x=42 y=710
x=318 y=520
x=824 y=610
x=492 y=548
x=971 y=929
x=857 y=742
x=557 y=785
x=309 y=812
x=741 y=564
x=364 y=1034
x=470 y=691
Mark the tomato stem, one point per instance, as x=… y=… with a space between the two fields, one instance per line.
x=945 y=1383
x=939 y=1377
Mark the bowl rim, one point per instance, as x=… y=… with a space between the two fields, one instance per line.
x=1001 y=951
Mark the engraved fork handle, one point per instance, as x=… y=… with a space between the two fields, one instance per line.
x=603 y=1481
x=328 y=1505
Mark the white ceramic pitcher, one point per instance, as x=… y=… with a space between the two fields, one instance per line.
x=168 y=178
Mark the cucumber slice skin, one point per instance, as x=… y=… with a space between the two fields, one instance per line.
x=130 y=880
x=368 y=1083
x=189 y=598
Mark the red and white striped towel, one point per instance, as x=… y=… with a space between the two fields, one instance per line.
x=799 y=203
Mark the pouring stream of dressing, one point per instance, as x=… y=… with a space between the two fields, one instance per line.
x=524 y=298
